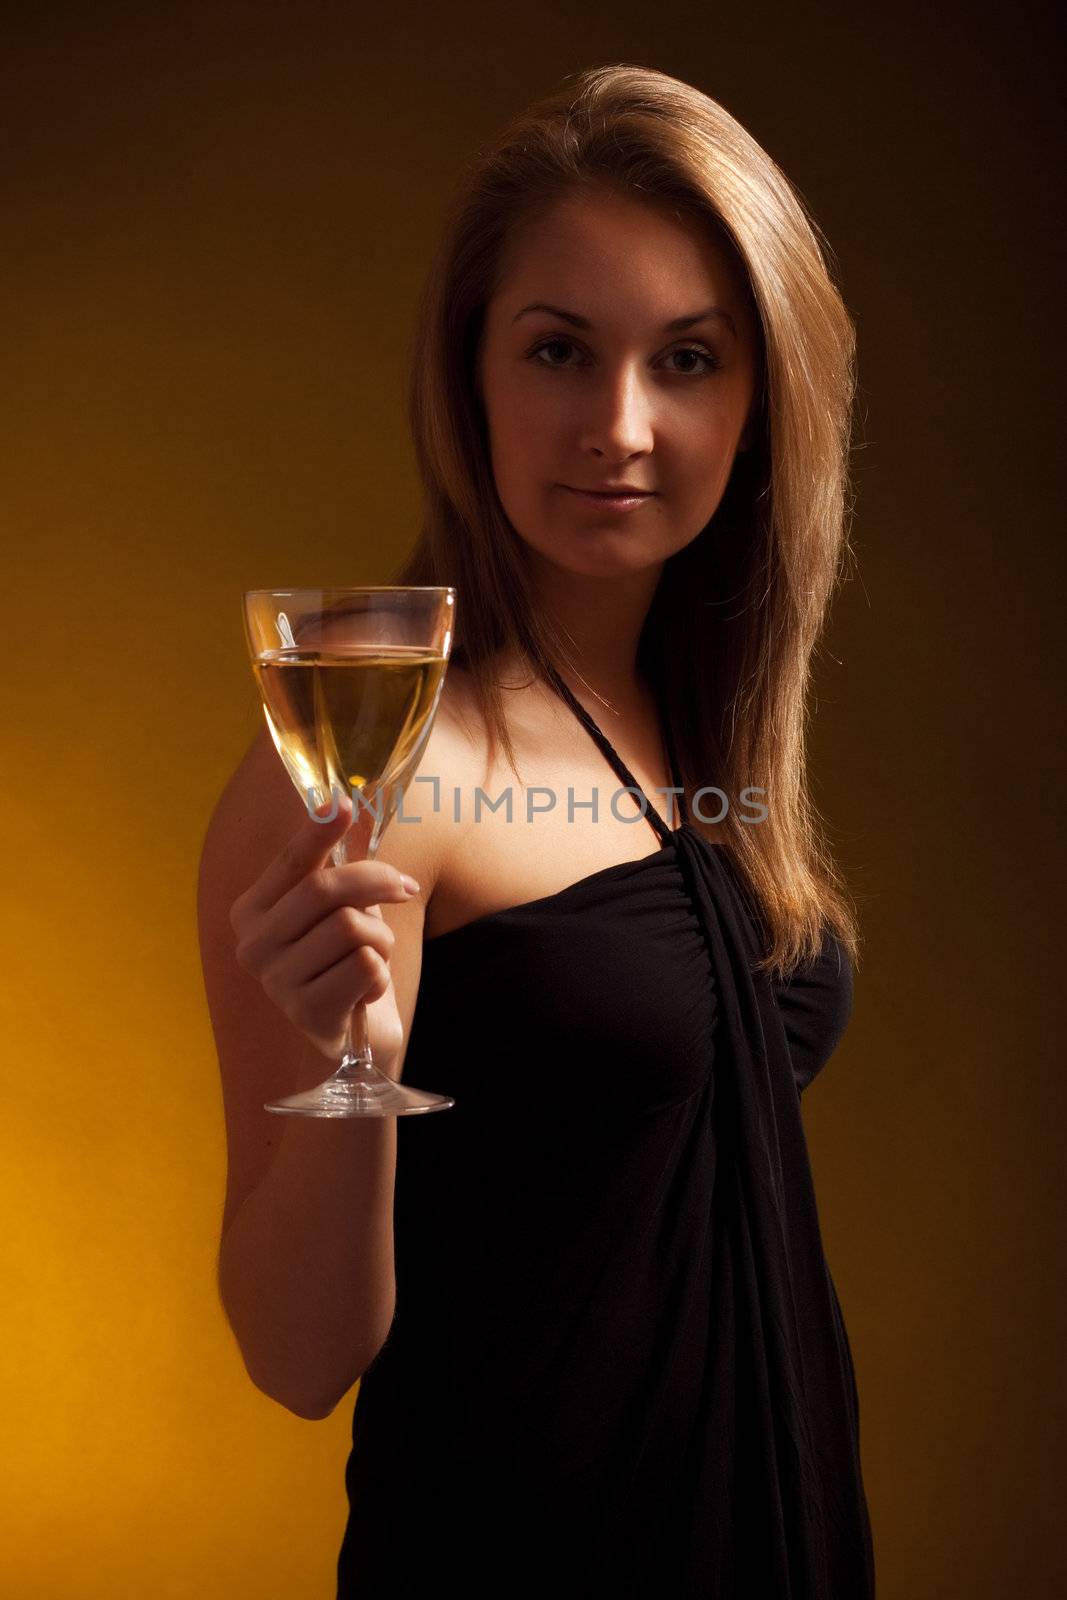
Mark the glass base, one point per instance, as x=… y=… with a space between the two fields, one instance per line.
x=360 y=1093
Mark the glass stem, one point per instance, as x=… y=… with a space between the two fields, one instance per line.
x=356 y=1059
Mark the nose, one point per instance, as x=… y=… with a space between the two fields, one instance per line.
x=617 y=416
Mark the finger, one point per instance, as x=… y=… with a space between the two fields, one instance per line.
x=329 y=941
x=362 y=885
x=307 y=849
x=360 y=979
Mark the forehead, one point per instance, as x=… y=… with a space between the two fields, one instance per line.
x=590 y=252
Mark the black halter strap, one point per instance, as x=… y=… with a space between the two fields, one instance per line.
x=663 y=832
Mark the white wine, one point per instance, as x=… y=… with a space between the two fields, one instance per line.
x=354 y=722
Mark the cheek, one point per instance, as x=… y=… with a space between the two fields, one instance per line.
x=706 y=451
x=516 y=466
x=511 y=460
x=523 y=440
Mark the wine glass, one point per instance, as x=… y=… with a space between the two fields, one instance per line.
x=350 y=680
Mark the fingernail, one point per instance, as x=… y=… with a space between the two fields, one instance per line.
x=409 y=883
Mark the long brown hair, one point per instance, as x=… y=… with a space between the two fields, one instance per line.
x=736 y=618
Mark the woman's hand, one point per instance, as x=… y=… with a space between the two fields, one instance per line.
x=313 y=936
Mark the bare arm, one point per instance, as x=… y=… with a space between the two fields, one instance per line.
x=305 y=1269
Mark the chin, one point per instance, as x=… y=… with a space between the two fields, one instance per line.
x=607 y=560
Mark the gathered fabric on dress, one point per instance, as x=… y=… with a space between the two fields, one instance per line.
x=618 y=1363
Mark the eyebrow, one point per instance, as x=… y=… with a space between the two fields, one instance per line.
x=678 y=325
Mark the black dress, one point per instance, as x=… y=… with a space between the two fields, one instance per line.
x=618 y=1365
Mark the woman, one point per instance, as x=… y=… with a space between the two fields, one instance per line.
x=599 y=1343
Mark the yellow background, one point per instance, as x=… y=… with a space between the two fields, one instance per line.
x=216 y=224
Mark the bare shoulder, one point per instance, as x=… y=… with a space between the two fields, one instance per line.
x=420 y=839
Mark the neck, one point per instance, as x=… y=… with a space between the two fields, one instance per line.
x=603 y=619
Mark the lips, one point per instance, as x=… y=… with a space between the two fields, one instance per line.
x=612 y=503
x=611 y=494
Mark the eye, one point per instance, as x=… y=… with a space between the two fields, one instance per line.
x=712 y=363
x=548 y=344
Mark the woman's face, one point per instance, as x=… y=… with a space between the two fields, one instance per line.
x=610 y=393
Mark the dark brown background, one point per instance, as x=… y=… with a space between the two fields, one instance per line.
x=216 y=222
